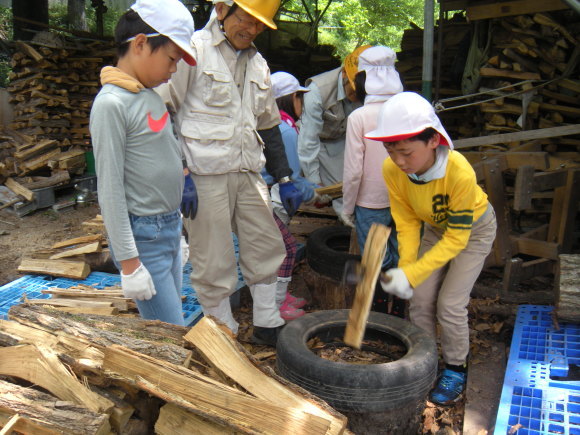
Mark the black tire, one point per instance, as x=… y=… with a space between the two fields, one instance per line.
x=327 y=250
x=354 y=387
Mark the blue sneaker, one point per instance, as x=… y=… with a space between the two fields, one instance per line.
x=449 y=389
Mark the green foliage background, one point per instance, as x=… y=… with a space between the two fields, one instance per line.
x=350 y=23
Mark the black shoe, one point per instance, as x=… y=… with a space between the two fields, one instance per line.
x=266 y=336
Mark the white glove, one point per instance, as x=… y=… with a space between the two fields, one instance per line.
x=395 y=281
x=319 y=200
x=138 y=285
x=184 y=251
x=347 y=219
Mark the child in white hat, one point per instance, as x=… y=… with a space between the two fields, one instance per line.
x=431 y=185
x=288 y=94
x=138 y=159
x=365 y=196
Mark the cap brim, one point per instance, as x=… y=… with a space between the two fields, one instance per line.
x=376 y=135
x=189 y=59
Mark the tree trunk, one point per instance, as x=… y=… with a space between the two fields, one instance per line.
x=77 y=19
x=36 y=14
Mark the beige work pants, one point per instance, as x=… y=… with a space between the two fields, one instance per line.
x=444 y=296
x=238 y=202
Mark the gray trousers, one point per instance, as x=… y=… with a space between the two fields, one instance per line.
x=238 y=202
x=444 y=296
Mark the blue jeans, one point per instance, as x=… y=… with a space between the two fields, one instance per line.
x=364 y=218
x=158 y=243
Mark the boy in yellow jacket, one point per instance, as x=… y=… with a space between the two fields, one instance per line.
x=431 y=185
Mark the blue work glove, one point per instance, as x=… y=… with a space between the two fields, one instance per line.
x=305 y=187
x=291 y=197
x=189 y=199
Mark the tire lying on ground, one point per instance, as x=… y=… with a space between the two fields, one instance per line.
x=327 y=250
x=355 y=387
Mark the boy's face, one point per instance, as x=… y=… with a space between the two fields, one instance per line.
x=240 y=27
x=156 y=67
x=413 y=156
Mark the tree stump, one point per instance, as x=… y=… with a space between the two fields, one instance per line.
x=568 y=298
x=328 y=293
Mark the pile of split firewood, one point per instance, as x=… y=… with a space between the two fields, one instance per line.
x=108 y=374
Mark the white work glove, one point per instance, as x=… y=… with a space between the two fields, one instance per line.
x=138 y=285
x=395 y=282
x=347 y=219
x=184 y=251
x=319 y=200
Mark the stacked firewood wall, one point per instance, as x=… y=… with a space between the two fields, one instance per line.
x=52 y=87
x=536 y=52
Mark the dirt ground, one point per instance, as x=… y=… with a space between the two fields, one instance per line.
x=20 y=236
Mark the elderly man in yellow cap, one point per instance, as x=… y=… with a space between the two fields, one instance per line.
x=323 y=130
x=228 y=120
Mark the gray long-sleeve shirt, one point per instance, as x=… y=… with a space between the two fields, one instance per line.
x=138 y=161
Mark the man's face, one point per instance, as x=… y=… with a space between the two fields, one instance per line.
x=348 y=89
x=240 y=27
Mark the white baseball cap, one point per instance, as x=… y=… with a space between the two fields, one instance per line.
x=169 y=18
x=406 y=115
x=285 y=84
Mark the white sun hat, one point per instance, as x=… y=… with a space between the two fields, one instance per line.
x=169 y=18
x=406 y=115
x=285 y=84
x=381 y=76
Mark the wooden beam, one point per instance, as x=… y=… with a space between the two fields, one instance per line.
x=523 y=188
x=570 y=199
x=494 y=187
x=537 y=248
x=372 y=259
x=539 y=160
x=549 y=180
x=516 y=7
x=541 y=133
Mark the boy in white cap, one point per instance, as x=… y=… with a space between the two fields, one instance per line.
x=289 y=97
x=365 y=196
x=138 y=159
x=433 y=185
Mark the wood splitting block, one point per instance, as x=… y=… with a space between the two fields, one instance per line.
x=372 y=259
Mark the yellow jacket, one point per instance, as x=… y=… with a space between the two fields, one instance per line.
x=452 y=203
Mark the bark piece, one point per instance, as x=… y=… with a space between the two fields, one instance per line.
x=43 y=414
x=568 y=300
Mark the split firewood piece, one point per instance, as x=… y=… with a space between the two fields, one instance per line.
x=174 y=420
x=208 y=398
x=372 y=259
x=78 y=241
x=87 y=248
x=95 y=331
x=67 y=269
x=334 y=190
x=547 y=21
x=223 y=352
x=61 y=302
x=19 y=189
x=43 y=414
x=41 y=366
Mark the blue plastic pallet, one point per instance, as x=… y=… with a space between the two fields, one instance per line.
x=32 y=286
x=536 y=397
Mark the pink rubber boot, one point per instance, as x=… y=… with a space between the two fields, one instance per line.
x=288 y=312
x=294 y=301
